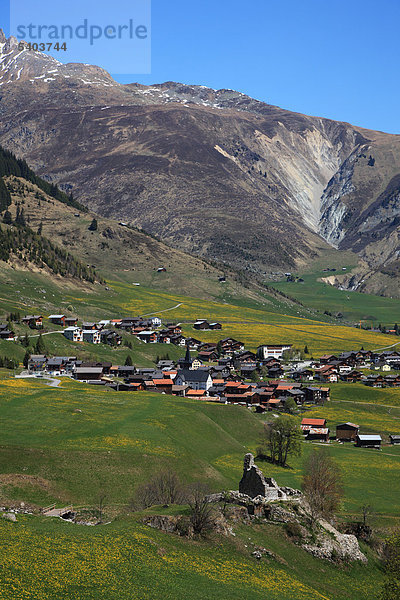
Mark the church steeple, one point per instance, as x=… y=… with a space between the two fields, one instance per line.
x=187 y=363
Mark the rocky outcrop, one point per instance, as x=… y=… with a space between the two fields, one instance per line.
x=166 y=523
x=332 y=545
x=262 y=497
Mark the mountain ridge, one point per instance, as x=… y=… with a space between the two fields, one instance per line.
x=213 y=172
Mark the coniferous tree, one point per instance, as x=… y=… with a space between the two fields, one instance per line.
x=93 y=225
x=25 y=341
x=20 y=218
x=39 y=231
x=40 y=348
x=26 y=359
x=128 y=361
x=5 y=198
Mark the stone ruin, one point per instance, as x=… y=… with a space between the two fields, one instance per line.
x=253 y=482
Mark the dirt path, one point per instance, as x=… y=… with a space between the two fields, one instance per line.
x=163 y=311
x=386 y=347
x=38 y=334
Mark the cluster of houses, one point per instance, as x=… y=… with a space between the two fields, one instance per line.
x=346 y=367
x=222 y=382
x=345 y=432
x=315 y=429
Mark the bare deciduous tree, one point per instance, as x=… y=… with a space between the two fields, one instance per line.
x=202 y=515
x=163 y=488
x=100 y=506
x=366 y=512
x=322 y=484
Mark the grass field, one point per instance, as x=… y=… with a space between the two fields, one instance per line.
x=114 y=440
x=247 y=320
x=353 y=305
x=72 y=443
x=127 y=560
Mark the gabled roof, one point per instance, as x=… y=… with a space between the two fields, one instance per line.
x=314 y=422
x=195 y=375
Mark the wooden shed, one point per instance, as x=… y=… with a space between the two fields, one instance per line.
x=347 y=432
x=369 y=441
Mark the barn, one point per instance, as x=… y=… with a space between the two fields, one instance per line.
x=368 y=441
x=347 y=432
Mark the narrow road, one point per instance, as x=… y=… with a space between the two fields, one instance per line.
x=163 y=311
x=386 y=347
x=38 y=334
x=52 y=382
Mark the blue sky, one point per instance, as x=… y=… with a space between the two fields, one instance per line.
x=337 y=60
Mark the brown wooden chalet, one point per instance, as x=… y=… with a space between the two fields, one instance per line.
x=317 y=395
x=368 y=440
x=317 y=434
x=327 y=359
x=174 y=329
x=33 y=321
x=57 y=319
x=352 y=377
x=347 y=432
x=88 y=373
x=208 y=356
x=375 y=381
x=201 y=325
x=308 y=423
x=163 y=385
x=72 y=322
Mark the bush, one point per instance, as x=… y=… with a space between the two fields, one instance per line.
x=293 y=529
x=202 y=516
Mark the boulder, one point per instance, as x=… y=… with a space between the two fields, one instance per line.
x=162 y=522
x=10 y=517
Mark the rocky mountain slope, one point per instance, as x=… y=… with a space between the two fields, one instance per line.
x=213 y=172
x=42 y=230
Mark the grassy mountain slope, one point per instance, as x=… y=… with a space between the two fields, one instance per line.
x=75 y=443
x=121 y=252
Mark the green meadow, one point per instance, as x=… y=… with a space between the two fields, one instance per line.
x=354 y=306
x=272 y=320
x=72 y=443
